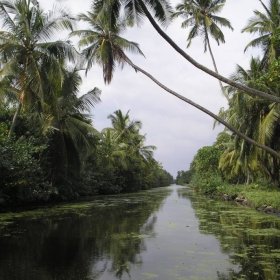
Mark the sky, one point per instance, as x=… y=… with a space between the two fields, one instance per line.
x=177 y=129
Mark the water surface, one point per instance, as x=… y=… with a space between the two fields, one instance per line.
x=166 y=233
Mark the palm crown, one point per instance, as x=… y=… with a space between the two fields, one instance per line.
x=26 y=51
x=103 y=44
x=201 y=15
x=267 y=25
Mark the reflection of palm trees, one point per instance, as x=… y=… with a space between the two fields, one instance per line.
x=84 y=242
x=248 y=237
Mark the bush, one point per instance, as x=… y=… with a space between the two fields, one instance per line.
x=22 y=178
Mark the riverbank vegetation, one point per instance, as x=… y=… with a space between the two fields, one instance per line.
x=49 y=148
x=232 y=165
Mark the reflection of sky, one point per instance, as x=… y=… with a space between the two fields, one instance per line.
x=177 y=129
x=155 y=234
x=179 y=249
x=174 y=247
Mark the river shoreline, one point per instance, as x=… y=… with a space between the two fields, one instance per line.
x=263 y=200
x=243 y=201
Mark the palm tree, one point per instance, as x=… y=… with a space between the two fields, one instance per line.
x=124 y=128
x=94 y=43
x=103 y=44
x=69 y=125
x=256 y=118
x=26 y=51
x=201 y=16
x=267 y=25
x=144 y=151
x=135 y=11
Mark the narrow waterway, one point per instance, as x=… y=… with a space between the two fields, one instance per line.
x=166 y=233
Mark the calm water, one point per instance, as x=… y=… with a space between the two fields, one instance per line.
x=167 y=234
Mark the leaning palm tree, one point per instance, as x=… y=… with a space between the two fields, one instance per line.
x=266 y=25
x=136 y=10
x=26 y=49
x=94 y=43
x=201 y=16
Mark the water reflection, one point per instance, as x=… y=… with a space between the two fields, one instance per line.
x=79 y=241
x=250 y=238
x=167 y=234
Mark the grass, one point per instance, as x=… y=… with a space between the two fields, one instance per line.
x=255 y=194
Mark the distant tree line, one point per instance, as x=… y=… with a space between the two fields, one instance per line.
x=46 y=166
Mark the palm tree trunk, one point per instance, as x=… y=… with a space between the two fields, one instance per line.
x=217 y=118
x=248 y=176
x=15 y=119
x=275 y=171
x=200 y=66
x=215 y=66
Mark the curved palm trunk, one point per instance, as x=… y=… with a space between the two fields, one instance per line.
x=215 y=66
x=230 y=127
x=200 y=66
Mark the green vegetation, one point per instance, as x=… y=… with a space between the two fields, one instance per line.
x=201 y=16
x=49 y=148
x=246 y=235
x=232 y=165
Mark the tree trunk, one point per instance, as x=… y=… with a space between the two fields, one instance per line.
x=215 y=66
x=275 y=171
x=15 y=119
x=217 y=118
x=259 y=93
x=248 y=176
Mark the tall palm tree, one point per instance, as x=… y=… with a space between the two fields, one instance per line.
x=68 y=123
x=201 y=16
x=266 y=25
x=94 y=42
x=103 y=44
x=26 y=49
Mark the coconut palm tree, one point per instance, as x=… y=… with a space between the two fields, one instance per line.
x=94 y=42
x=201 y=16
x=69 y=125
x=103 y=44
x=266 y=24
x=257 y=119
x=124 y=128
x=135 y=11
x=144 y=151
x=26 y=49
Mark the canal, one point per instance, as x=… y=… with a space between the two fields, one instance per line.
x=168 y=233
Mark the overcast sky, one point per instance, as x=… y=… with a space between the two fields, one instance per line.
x=177 y=129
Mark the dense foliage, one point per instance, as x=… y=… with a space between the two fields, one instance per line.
x=49 y=148
x=237 y=161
